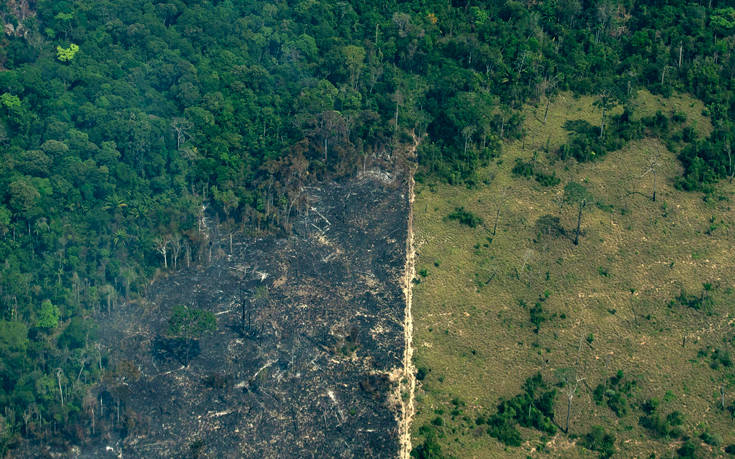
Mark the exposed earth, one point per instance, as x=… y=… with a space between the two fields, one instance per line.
x=309 y=346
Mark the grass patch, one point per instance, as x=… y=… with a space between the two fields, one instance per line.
x=608 y=298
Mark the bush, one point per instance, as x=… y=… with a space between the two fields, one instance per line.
x=537 y=316
x=465 y=217
x=688 y=450
x=527 y=169
x=430 y=448
x=663 y=428
x=615 y=393
x=599 y=440
x=502 y=429
x=533 y=409
x=696 y=302
x=710 y=439
x=523 y=169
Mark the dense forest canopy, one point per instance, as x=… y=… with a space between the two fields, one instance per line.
x=122 y=123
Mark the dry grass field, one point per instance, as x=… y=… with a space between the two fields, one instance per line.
x=608 y=304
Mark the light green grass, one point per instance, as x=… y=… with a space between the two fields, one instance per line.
x=649 y=251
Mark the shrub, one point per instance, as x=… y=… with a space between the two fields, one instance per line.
x=534 y=408
x=599 y=440
x=430 y=448
x=615 y=393
x=688 y=450
x=465 y=217
x=527 y=169
x=710 y=439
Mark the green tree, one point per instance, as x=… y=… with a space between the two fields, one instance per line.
x=23 y=196
x=49 y=315
x=10 y=101
x=191 y=323
x=67 y=54
x=354 y=57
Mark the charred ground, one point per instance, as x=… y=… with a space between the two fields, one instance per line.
x=313 y=368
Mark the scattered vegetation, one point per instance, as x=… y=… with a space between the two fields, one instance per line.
x=606 y=301
x=527 y=169
x=534 y=408
x=465 y=217
x=599 y=440
x=615 y=393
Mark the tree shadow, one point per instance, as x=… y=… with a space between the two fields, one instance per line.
x=181 y=350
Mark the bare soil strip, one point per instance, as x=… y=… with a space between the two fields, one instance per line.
x=408 y=382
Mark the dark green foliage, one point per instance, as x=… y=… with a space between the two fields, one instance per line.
x=533 y=409
x=547 y=179
x=699 y=302
x=730 y=449
x=191 y=322
x=586 y=144
x=718 y=357
x=110 y=151
x=599 y=440
x=615 y=393
x=688 y=450
x=430 y=448
x=527 y=169
x=504 y=430
x=77 y=334
x=710 y=439
x=537 y=316
x=649 y=406
x=523 y=168
x=663 y=427
x=465 y=217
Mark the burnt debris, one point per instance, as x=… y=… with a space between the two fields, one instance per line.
x=308 y=347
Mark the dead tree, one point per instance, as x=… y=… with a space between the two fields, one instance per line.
x=162 y=243
x=181 y=127
x=503 y=198
x=547 y=87
x=605 y=103
x=176 y=246
x=722 y=395
x=59 y=373
x=570 y=380
x=652 y=168
x=245 y=313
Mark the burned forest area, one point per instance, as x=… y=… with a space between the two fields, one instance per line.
x=308 y=347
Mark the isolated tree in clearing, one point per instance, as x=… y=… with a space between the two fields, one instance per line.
x=190 y=324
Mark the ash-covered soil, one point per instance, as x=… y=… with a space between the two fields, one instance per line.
x=308 y=367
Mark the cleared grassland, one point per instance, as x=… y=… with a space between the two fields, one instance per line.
x=607 y=302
